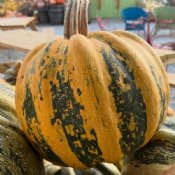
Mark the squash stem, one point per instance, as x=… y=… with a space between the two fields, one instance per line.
x=76 y=18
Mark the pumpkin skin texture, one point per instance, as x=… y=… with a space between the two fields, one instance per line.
x=16 y=155
x=157 y=157
x=95 y=97
x=7 y=101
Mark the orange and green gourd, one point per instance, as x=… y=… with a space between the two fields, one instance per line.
x=16 y=155
x=157 y=157
x=90 y=98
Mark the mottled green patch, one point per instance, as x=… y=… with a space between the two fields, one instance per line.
x=42 y=62
x=30 y=113
x=88 y=82
x=46 y=68
x=129 y=103
x=65 y=50
x=47 y=49
x=79 y=92
x=68 y=111
x=162 y=95
x=32 y=70
x=156 y=152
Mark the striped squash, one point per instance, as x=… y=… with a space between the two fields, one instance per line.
x=16 y=155
x=82 y=100
x=157 y=157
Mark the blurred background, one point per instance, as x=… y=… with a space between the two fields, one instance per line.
x=103 y=15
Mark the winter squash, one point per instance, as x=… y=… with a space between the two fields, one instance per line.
x=16 y=152
x=72 y=94
x=16 y=155
x=19 y=158
x=157 y=157
x=96 y=96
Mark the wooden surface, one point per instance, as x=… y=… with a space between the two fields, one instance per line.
x=23 y=39
x=167 y=56
x=171 y=79
x=17 y=22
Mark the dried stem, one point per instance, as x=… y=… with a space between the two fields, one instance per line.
x=76 y=18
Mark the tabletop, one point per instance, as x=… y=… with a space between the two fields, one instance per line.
x=167 y=56
x=171 y=79
x=17 y=22
x=24 y=40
